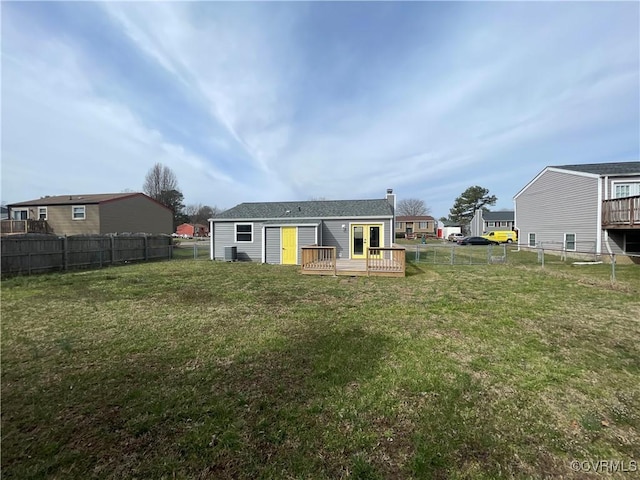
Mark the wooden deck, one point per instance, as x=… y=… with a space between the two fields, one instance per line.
x=17 y=227
x=621 y=212
x=382 y=262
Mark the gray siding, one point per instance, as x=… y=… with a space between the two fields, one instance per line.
x=306 y=236
x=224 y=235
x=557 y=203
x=137 y=214
x=333 y=234
x=273 y=244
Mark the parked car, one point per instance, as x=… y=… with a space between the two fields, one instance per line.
x=476 y=241
x=454 y=237
x=502 y=236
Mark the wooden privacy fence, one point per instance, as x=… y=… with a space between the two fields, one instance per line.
x=27 y=254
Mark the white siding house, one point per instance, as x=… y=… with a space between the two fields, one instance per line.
x=569 y=207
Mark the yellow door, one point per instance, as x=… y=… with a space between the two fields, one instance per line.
x=289 y=237
x=363 y=237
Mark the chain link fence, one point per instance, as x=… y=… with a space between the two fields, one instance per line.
x=454 y=254
x=191 y=249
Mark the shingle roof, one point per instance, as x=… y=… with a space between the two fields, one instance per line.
x=500 y=216
x=614 y=168
x=74 y=199
x=309 y=209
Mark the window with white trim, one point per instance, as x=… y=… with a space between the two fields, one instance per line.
x=78 y=212
x=532 y=239
x=398 y=225
x=19 y=214
x=570 y=242
x=422 y=225
x=629 y=189
x=244 y=232
x=491 y=224
x=42 y=213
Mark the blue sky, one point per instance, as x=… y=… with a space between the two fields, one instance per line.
x=291 y=101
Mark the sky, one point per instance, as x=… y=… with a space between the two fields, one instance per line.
x=266 y=101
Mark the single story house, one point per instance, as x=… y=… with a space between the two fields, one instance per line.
x=97 y=213
x=485 y=221
x=192 y=230
x=274 y=232
x=590 y=208
x=410 y=226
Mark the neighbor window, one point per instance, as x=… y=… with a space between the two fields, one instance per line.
x=491 y=224
x=42 y=213
x=244 y=232
x=78 y=212
x=22 y=214
x=532 y=239
x=570 y=241
x=627 y=189
x=398 y=225
x=422 y=225
x=623 y=190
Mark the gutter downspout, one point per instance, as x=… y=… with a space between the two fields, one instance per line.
x=211 y=240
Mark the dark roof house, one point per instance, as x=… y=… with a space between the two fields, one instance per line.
x=97 y=213
x=483 y=222
x=590 y=208
x=274 y=232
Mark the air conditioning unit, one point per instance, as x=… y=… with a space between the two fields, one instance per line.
x=230 y=254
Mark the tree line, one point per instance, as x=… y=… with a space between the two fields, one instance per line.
x=464 y=207
x=161 y=184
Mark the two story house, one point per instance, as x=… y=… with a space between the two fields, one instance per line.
x=589 y=208
x=415 y=226
x=483 y=222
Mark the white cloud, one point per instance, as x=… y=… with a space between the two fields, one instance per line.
x=61 y=138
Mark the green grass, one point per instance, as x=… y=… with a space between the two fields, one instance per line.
x=194 y=369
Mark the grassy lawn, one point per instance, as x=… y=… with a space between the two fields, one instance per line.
x=194 y=369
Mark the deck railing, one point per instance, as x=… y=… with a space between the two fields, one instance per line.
x=381 y=261
x=621 y=212
x=12 y=227
x=388 y=261
x=319 y=260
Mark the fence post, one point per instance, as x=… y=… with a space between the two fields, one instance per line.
x=65 y=253
x=113 y=249
x=29 y=263
x=613 y=268
x=146 y=247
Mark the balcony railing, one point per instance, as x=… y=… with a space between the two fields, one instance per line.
x=14 y=227
x=621 y=212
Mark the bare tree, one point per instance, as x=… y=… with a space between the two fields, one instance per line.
x=199 y=213
x=159 y=179
x=412 y=207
